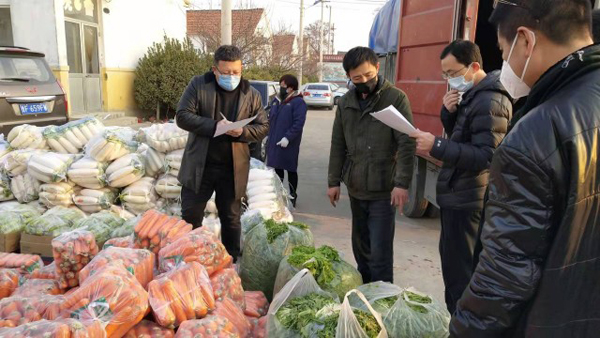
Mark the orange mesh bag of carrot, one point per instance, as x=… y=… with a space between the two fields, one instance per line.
x=259 y=330
x=227 y=283
x=72 y=251
x=148 y=329
x=120 y=242
x=181 y=294
x=138 y=261
x=63 y=328
x=257 y=304
x=9 y=281
x=218 y=327
x=25 y=264
x=19 y=310
x=113 y=296
x=45 y=272
x=197 y=246
x=36 y=287
x=156 y=230
x=228 y=309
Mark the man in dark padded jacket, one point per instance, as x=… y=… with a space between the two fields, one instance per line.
x=475 y=116
x=539 y=268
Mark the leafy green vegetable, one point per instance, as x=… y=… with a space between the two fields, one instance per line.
x=387 y=303
x=10 y=222
x=126 y=229
x=298 y=312
x=54 y=221
x=275 y=229
x=366 y=321
x=318 y=261
x=413 y=297
x=101 y=224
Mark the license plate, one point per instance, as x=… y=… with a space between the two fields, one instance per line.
x=34 y=108
x=316 y=95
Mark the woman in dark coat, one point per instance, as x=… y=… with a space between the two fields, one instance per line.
x=287 y=117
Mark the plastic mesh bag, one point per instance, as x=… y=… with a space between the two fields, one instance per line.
x=168 y=187
x=182 y=294
x=154 y=161
x=72 y=251
x=163 y=137
x=57 y=194
x=88 y=173
x=54 y=221
x=156 y=230
x=101 y=224
x=139 y=262
x=148 y=329
x=25 y=188
x=173 y=162
x=27 y=136
x=45 y=272
x=15 y=162
x=227 y=284
x=50 y=167
x=257 y=304
x=111 y=144
x=11 y=222
x=24 y=263
x=265 y=246
x=125 y=171
x=9 y=281
x=228 y=309
x=19 y=310
x=140 y=196
x=5 y=192
x=36 y=287
x=26 y=211
x=119 y=242
x=95 y=200
x=56 y=329
x=208 y=327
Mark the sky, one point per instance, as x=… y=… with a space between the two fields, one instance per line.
x=352 y=18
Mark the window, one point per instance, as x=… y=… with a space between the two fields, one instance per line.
x=6 y=35
x=318 y=87
x=32 y=69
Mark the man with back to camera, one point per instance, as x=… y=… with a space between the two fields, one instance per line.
x=475 y=116
x=374 y=161
x=539 y=269
x=219 y=164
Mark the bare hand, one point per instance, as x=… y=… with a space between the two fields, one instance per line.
x=334 y=195
x=236 y=132
x=399 y=198
x=451 y=100
x=424 y=140
x=223 y=122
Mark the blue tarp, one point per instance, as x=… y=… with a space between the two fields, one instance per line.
x=383 y=38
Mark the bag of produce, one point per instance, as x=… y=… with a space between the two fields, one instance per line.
x=121 y=212
x=214 y=326
x=198 y=246
x=260 y=328
x=15 y=162
x=19 y=310
x=72 y=251
x=257 y=304
x=406 y=313
x=266 y=193
x=27 y=212
x=154 y=161
x=126 y=229
x=125 y=171
x=111 y=144
x=45 y=272
x=112 y=296
x=140 y=196
x=60 y=328
x=119 y=242
x=353 y=322
x=25 y=264
x=331 y=272
x=148 y=329
x=25 y=188
x=294 y=309
x=168 y=187
x=227 y=284
x=265 y=246
x=11 y=222
x=36 y=287
x=4 y=147
x=27 y=136
x=182 y=294
x=57 y=194
x=92 y=201
x=163 y=137
x=54 y=222
x=5 y=192
x=139 y=262
x=9 y=282
x=50 y=167
x=100 y=224
x=58 y=142
x=212 y=224
x=227 y=308
x=173 y=162
x=156 y=230
x=88 y=173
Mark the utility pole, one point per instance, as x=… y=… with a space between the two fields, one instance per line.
x=333 y=39
x=321 y=44
x=329 y=49
x=226 y=22
x=301 y=41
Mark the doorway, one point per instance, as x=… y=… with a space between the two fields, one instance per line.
x=487 y=39
x=81 y=29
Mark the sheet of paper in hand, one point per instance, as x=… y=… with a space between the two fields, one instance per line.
x=222 y=129
x=391 y=117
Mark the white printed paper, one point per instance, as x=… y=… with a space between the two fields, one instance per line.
x=223 y=128
x=391 y=117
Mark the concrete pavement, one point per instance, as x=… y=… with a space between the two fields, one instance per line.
x=416 y=258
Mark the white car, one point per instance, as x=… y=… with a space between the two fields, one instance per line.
x=319 y=95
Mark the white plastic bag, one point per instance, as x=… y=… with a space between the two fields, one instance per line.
x=58 y=194
x=27 y=136
x=164 y=137
x=348 y=325
x=125 y=171
x=4 y=147
x=50 y=167
x=91 y=201
x=15 y=162
x=154 y=161
x=25 y=188
x=140 y=196
x=173 y=162
x=88 y=173
x=111 y=144
x=168 y=187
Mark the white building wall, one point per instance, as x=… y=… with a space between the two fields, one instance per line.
x=133 y=25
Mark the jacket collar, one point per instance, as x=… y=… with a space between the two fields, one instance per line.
x=491 y=82
x=211 y=81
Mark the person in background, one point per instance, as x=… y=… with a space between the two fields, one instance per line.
x=475 y=115
x=219 y=164
x=596 y=25
x=539 y=268
x=286 y=121
x=375 y=163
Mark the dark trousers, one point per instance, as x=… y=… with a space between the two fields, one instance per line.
x=292 y=179
x=457 y=243
x=221 y=181
x=373 y=227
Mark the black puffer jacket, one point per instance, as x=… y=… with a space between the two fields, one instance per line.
x=539 y=270
x=474 y=132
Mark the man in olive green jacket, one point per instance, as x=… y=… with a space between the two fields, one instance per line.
x=374 y=161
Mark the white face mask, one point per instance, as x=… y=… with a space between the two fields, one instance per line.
x=514 y=85
x=460 y=83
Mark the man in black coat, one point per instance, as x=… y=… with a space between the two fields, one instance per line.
x=475 y=116
x=539 y=268
x=219 y=164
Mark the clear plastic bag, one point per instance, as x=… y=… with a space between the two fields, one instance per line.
x=208 y=327
x=126 y=229
x=27 y=136
x=24 y=263
x=139 y=262
x=95 y=200
x=156 y=230
x=50 y=167
x=57 y=194
x=173 y=162
x=227 y=308
x=111 y=144
x=154 y=161
x=101 y=224
x=88 y=173
x=45 y=272
x=56 y=329
x=331 y=272
x=125 y=171
x=54 y=221
x=11 y=222
x=72 y=251
x=168 y=187
x=15 y=162
x=212 y=224
x=26 y=211
x=37 y=287
x=119 y=242
x=25 y=188
x=112 y=296
x=182 y=294
x=264 y=248
x=19 y=310
x=4 y=147
x=358 y=323
x=140 y=196
x=227 y=284
x=5 y=192
x=257 y=304
x=9 y=282
x=164 y=137
x=148 y=329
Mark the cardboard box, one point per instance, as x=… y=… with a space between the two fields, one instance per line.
x=10 y=242
x=36 y=245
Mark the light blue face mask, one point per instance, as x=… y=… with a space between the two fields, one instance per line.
x=229 y=82
x=459 y=83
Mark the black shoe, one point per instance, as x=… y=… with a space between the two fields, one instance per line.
x=293 y=200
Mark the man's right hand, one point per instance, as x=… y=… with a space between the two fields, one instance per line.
x=334 y=195
x=451 y=100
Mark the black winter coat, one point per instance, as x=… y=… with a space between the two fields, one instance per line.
x=539 y=271
x=474 y=131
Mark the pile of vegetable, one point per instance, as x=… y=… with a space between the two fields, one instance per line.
x=9 y=281
x=173 y=162
x=58 y=194
x=24 y=264
x=156 y=230
x=49 y=167
x=125 y=171
x=70 y=138
x=101 y=224
x=139 y=262
x=112 y=143
x=266 y=194
x=227 y=284
x=88 y=173
x=140 y=196
x=54 y=222
x=72 y=251
x=27 y=136
x=163 y=137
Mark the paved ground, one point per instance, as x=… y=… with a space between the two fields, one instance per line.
x=416 y=259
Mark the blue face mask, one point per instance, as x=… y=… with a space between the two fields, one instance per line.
x=460 y=83
x=229 y=82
